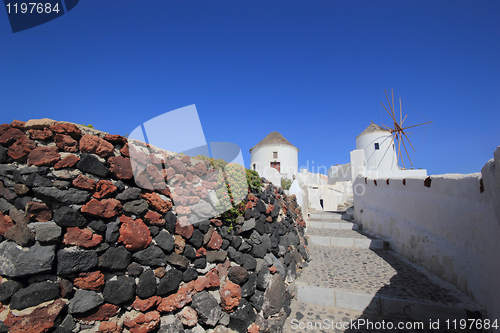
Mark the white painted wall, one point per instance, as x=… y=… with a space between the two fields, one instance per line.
x=287 y=156
x=385 y=158
x=450 y=228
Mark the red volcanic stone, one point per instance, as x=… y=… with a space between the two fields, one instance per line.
x=269 y=209
x=10 y=135
x=215 y=241
x=43 y=156
x=201 y=192
x=208 y=185
x=183 y=227
x=179 y=299
x=125 y=151
x=249 y=205
x=186 y=160
x=104 y=312
x=230 y=296
x=121 y=167
x=154 y=218
x=160 y=272
x=178 y=166
x=90 y=281
x=81 y=237
x=170 y=173
x=67 y=162
x=104 y=189
x=65 y=128
x=83 y=182
x=201 y=252
x=158 y=204
x=180 y=244
x=187 y=316
x=104 y=208
x=44 y=134
x=153 y=171
x=96 y=145
x=301 y=222
x=269 y=219
x=182 y=210
x=5 y=223
x=253 y=328
x=66 y=288
x=216 y=222
x=115 y=138
x=4 y=127
x=201 y=283
x=273 y=269
x=143 y=323
x=109 y=327
x=193 y=200
x=200 y=169
x=18 y=123
x=213 y=278
x=66 y=143
x=20 y=149
x=165 y=192
x=36 y=211
x=134 y=234
x=41 y=320
x=144 y=305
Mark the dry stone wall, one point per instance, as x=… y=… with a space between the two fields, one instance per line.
x=85 y=249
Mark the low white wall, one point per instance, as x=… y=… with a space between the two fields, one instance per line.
x=451 y=228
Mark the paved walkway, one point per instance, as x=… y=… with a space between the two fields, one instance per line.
x=344 y=282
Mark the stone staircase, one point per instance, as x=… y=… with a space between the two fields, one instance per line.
x=354 y=277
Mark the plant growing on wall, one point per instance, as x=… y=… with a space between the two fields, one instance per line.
x=286 y=183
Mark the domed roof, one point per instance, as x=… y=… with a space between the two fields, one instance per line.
x=273 y=138
x=372 y=129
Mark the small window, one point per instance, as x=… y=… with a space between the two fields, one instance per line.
x=254 y=167
x=275 y=154
x=377 y=146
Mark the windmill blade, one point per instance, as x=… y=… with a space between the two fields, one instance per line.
x=399 y=151
x=409 y=159
x=417 y=125
x=390 y=106
x=400 y=113
x=407 y=138
x=390 y=129
x=388 y=112
x=404 y=120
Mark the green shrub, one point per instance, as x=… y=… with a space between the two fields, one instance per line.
x=286 y=183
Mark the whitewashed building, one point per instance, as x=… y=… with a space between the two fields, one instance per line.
x=274 y=157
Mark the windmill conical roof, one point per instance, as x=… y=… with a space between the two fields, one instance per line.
x=372 y=129
x=273 y=138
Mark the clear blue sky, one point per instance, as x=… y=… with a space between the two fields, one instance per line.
x=315 y=71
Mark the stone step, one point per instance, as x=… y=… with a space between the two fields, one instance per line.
x=335 y=224
x=324 y=216
x=343 y=238
x=380 y=283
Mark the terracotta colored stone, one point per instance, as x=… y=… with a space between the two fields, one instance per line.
x=183 y=227
x=269 y=209
x=36 y=211
x=143 y=323
x=230 y=296
x=81 y=237
x=104 y=189
x=200 y=169
x=11 y=135
x=5 y=223
x=215 y=241
x=20 y=149
x=104 y=312
x=115 y=138
x=121 y=167
x=39 y=123
x=201 y=252
x=67 y=162
x=144 y=305
x=95 y=145
x=180 y=244
x=213 y=278
x=208 y=185
x=182 y=210
x=125 y=151
x=66 y=128
x=21 y=189
x=154 y=218
x=66 y=143
x=4 y=127
x=269 y=219
x=187 y=316
x=249 y=205
x=160 y=272
x=253 y=328
x=90 y=281
x=201 y=283
x=134 y=234
x=223 y=269
x=39 y=321
x=43 y=156
x=84 y=183
x=44 y=134
x=18 y=124
x=104 y=208
x=179 y=299
x=153 y=171
x=109 y=327
x=273 y=269
x=216 y=222
x=157 y=202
